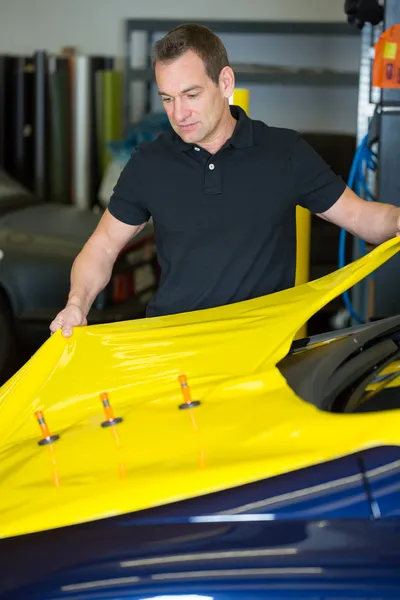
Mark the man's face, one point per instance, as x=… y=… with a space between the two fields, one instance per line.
x=193 y=102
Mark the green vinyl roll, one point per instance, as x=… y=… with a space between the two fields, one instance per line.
x=112 y=111
x=99 y=108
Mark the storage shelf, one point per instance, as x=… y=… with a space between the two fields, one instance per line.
x=262 y=27
x=246 y=73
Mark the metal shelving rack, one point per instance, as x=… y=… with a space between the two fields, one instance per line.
x=381 y=297
x=367 y=101
x=244 y=73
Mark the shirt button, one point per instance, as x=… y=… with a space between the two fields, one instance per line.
x=211 y=167
x=197 y=149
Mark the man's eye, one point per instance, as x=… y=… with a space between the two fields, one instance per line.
x=166 y=99
x=192 y=96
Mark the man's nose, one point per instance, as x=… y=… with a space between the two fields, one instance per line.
x=181 y=111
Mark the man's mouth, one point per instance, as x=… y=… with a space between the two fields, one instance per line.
x=188 y=126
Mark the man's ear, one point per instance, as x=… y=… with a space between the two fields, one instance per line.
x=227 y=81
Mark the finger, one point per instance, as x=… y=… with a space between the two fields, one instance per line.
x=55 y=325
x=67 y=328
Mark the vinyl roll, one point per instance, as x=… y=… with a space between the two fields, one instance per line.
x=40 y=59
x=303 y=247
x=24 y=122
x=2 y=110
x=97 y=65
x=3 y=87
x=59 y=130
x=82 y=132
x=18 y=81
x=99 y=108
x=303 y=231
x=7 y=111
x=112 y=110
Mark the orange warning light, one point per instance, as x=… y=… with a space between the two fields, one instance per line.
x=386 y=66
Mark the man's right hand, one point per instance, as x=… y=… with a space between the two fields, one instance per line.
x=92 y=269
x=72 y=316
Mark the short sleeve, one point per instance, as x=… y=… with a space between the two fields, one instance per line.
x=128 y=200
x=317 y=187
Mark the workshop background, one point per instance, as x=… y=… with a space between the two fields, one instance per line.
x=76 y=96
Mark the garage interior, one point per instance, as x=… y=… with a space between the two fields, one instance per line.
x=74 y=104
x=216 y=456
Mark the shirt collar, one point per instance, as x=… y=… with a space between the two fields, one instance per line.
x=242 y=136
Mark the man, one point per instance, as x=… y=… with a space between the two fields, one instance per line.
x=222 y=190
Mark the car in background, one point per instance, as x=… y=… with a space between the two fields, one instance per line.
x=39 y=242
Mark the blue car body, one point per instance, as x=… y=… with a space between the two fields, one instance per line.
x=328 y=531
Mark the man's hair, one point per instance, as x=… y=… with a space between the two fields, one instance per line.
x=201 y=40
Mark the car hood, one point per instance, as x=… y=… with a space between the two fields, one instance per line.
x=52 y=221
x=249 y=425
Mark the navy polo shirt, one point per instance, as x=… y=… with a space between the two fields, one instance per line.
x=225 y=223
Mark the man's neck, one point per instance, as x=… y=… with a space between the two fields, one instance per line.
x=221 y=134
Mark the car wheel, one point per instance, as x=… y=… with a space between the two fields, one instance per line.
x=8 y=346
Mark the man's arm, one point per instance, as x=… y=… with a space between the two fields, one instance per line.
x=373 y=222
x=92 y=269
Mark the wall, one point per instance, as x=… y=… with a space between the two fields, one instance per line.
x=96 y=26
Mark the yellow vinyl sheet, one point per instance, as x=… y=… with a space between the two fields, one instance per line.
x=249 y=424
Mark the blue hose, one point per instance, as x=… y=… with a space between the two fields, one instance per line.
x=364 y=158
